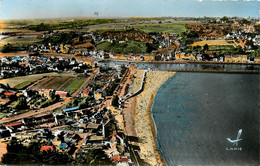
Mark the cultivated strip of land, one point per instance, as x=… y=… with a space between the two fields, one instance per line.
x=29 y=78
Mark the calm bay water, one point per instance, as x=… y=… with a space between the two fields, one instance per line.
x=195 y=113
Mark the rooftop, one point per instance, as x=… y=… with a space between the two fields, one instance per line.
x=93 y=126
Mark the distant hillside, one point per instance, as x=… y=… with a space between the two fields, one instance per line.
x=130 y=34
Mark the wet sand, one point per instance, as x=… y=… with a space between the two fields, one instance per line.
x=144 y=124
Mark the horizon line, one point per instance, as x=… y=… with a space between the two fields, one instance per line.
x=122 y=17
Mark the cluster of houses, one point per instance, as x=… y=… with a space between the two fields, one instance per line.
x=34 y=64
x=88 y=129
x=181 y=56
x=170 y=46
x=33 y=98
x=220 y=30
x=95 y=126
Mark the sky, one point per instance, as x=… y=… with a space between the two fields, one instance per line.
x=22 y=9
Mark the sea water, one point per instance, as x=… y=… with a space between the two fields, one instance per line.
x=195 y=113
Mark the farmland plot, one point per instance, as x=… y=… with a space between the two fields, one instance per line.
x=54 y=82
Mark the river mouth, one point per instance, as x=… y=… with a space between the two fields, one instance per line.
x=195 y=113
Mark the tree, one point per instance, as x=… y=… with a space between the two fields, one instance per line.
x=21 y=103
x=8 y=86
x=84 y=103
x=16 y=153
x=7 y=48
x=53 y=99
x=245 y=21
x=20 y=154
x=75 y=102
x=225 y=18
x=115 y=101
x=205 y=47
x=256 y=53
x=150 y=47
x=92 y=157
x=52 y=95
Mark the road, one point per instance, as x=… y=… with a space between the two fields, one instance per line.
x=129 y=105
x=52 y=107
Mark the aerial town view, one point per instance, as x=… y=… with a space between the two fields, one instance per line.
x=129 y=83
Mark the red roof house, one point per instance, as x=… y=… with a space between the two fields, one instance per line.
x=118 y=158
x=14 y=124
x=44 y=90
x=85 y=92
x=46 y=148
x=61 y=93
x=9 y=93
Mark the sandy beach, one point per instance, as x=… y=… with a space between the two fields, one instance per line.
x=144 y=124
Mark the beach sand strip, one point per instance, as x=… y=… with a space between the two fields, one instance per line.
x=144 y=124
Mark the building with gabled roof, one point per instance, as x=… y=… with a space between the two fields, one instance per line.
x=47 y=148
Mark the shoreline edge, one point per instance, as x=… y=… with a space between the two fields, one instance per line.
x=144 y=123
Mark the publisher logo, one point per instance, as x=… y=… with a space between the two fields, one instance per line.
x=234 y=142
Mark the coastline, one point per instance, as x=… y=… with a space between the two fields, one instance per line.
x=159 y=156
x=178 y=62
x=144 y=123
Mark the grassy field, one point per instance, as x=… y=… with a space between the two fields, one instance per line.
x=75 y=84
x=218 y=42
x=165 y=28
x=30 y=78
x=83 y=24
x=68 y=24
x=23 y=84
x=19 y=41
x=53 y=23
x=123 y=48
x=2 y=115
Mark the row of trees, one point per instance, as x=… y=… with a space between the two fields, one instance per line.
x=52 y=99
x=10 y=48
x=17 y=153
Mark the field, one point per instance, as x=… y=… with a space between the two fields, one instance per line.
x=53 y=82
x=79 y=24
x=124 y=48
x=23 y=84
x=2 y=115
x=53 y=23
x=30 y=78
x=19 y=41
x=75 y=84
x=218 y=42
x=90 y=24
x=165 y=28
